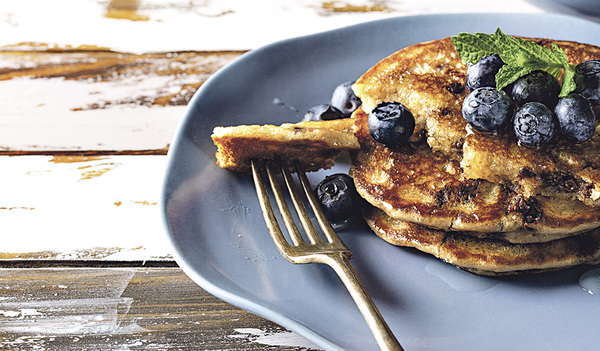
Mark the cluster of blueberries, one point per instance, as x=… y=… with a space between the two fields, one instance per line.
x=336 y=193
x=532 y=103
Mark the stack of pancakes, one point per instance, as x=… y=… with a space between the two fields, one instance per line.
x=478 y=201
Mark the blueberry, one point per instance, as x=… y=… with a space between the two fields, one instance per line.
x=587 y=78
x=487 y=109
x=344 y=99
x=576 y=118
x=534 y=124
x=539 y=86
x=483 y=73
x=322 y=113
x=391 y=124
x=338 y=197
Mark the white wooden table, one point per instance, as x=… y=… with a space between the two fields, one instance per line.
x=91 y=93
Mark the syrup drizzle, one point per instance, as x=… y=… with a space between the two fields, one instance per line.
x=590 y=281
x=457 y=278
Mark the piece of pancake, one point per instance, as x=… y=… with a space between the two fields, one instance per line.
x=428 y=78
x=487 y=255
x=316 y=144
x=414 y=184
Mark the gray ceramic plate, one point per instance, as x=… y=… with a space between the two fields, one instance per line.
x=220 y=239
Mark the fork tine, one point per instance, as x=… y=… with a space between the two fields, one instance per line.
x=267 y=209
x=309 y=228
x=293 y=231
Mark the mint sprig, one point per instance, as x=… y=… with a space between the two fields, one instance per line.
x=520 y=56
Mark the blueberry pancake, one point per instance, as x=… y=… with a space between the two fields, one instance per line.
x=492 y=255
x=429 y=78
x=414 y=184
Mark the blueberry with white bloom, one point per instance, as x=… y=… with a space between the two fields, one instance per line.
x=539 y=86
x=344 y=99
x=391 y=124
x=587 y=78
x=487 y=109
x=483 y=73
x=576 y=118
x=534 y=124
x=338 y=197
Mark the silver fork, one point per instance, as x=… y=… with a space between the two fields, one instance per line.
x=332 y=251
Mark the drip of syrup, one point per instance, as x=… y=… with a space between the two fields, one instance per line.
x=590 y=281
x=458 y=279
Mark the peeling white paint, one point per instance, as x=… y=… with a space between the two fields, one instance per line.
x=83 y=216
x=53 y=104
x=279 y=338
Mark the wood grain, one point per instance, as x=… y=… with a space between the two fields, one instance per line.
x=126 y=309
x=97 y=65
x=93 y=99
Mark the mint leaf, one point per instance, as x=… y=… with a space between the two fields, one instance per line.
x=503 y=42
x=472 y=47
x=568 y=84
x=520 y=56
x=568 y=77
x=508 y=74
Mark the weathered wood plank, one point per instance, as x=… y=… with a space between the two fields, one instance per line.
x=82 y=208
x=126 y=309
x=96 y=99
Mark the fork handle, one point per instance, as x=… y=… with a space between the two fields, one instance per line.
x=384 y=336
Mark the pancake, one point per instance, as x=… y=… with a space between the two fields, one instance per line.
x=414 y=184
x=428 y=78
x=315 y=144
x=487 y=255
